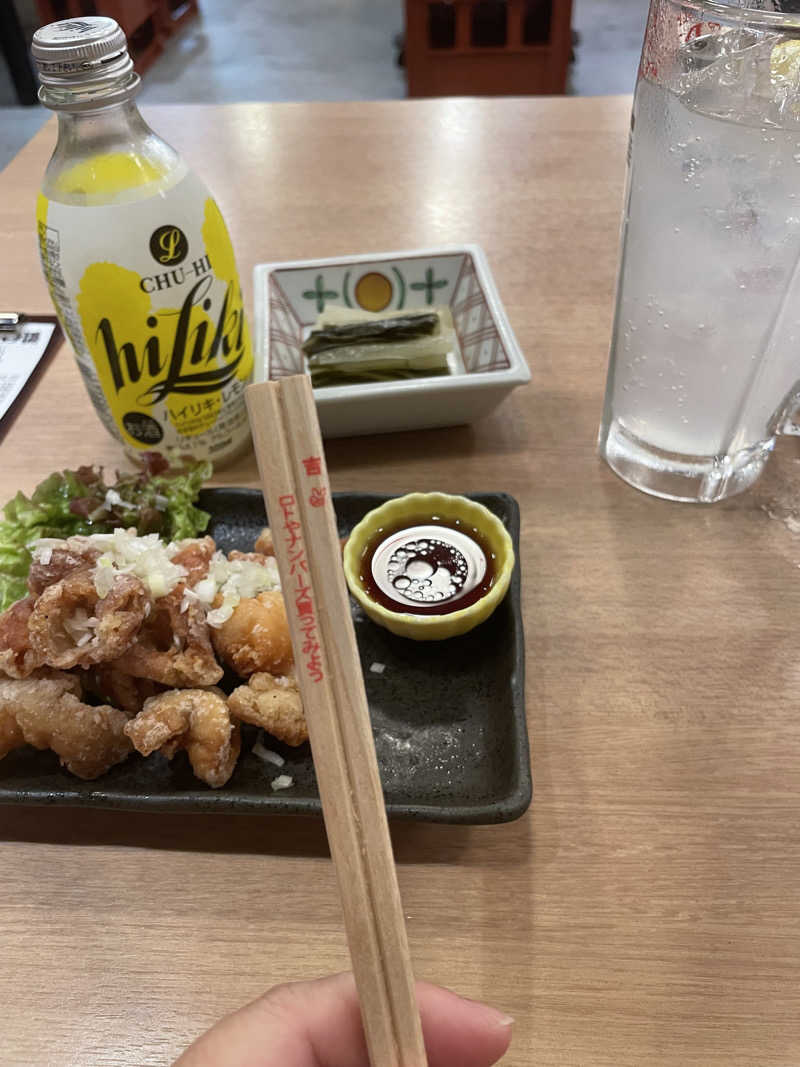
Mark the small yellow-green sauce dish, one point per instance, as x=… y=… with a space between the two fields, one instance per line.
x=429 y=565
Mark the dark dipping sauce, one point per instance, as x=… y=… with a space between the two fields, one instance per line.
x=427 y=566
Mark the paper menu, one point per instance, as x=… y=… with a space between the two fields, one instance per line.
x=20 y=354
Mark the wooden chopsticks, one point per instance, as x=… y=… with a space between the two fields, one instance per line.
x=294 y=477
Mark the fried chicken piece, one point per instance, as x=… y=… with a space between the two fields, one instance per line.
x=194 y=553
x=249 y=557
x=114 y=687
x=256 y=636
x=195 y=719
x=274 y=704
x=44 y=685
x=265 y=543
x=172 y=647
x=46 y=712
x=17 y=658
x=70 y=625
x=63 y=559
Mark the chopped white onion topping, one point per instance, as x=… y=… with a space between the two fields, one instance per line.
x=283 y=781
x=231 y=581
x=80 y=626
x=205 y=590
x=104 y=576
x=44 y=546
x=113 y=499
x=266 y=754
x=377 y=668
x=124 y=552
x=150 y=559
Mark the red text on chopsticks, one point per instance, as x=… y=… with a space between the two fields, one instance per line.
x=300 y=591
x=313 y=469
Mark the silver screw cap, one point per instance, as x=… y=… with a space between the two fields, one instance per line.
x=74 y=53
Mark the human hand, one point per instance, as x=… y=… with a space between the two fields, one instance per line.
x=318 y=1024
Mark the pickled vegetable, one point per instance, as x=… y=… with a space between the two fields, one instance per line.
x=348 y=348
x=371 y=331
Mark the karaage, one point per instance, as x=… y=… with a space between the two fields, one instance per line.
x=17 y=658
x=195 y=719
x=265 y=543
x=173 y=647
x=52 y=562
x=194 y=554
x=46 y=712
x=274 y=704
x=112 y=686
x=256 y=636
x=71 y=626
x=118 y=618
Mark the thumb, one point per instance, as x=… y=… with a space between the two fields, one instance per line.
x=318 y=1024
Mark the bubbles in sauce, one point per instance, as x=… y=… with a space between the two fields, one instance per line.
x=427 y=566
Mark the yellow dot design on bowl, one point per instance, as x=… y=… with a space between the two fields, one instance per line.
x=373 y=291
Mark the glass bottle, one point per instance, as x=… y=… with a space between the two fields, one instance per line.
x=137 y=258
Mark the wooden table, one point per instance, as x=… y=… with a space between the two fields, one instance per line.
x=645 y=911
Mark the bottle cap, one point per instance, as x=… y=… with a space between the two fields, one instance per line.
x=88 y=53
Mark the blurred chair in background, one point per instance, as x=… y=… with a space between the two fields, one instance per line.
x=487 y=47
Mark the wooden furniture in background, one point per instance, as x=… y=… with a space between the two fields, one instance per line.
x=645 y=911
x=487 y=47
x=147 y=23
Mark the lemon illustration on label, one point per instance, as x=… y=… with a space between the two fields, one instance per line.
x=96 y=178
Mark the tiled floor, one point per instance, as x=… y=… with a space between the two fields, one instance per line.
x=327 y=50
x=279 y=50
x=607 y=54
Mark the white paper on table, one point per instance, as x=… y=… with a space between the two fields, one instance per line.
x=20 y=354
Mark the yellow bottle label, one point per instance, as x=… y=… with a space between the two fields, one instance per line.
x=149 y=295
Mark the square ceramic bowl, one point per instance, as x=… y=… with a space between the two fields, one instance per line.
x=289 y=296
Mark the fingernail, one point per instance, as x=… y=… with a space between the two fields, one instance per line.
x=494 y=1016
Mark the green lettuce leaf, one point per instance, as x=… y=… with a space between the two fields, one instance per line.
x=164 y=502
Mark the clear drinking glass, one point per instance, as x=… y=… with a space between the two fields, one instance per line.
x=705 y=355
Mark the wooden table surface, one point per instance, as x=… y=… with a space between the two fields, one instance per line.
x=646 y=909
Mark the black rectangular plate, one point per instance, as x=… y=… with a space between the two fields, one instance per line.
x=448 y=716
